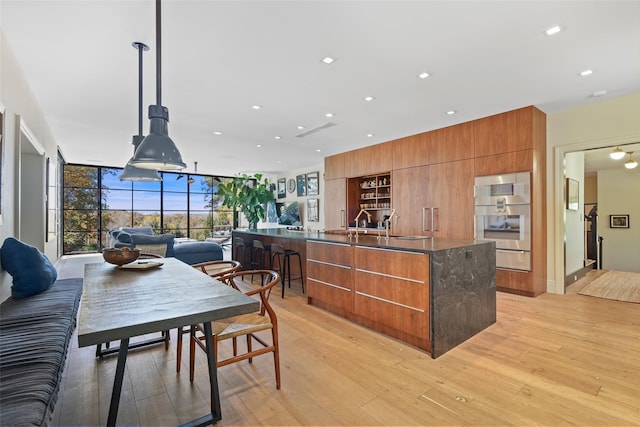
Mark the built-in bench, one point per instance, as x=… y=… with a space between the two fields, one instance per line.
x=36 y=325
x=34 y=338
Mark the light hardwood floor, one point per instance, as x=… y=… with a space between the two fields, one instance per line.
x=552 y=360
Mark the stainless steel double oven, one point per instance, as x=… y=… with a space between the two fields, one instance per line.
x=503 y=214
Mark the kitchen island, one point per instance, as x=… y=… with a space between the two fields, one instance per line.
x=431 y=293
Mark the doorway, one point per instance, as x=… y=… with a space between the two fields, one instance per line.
x=600 y=229
x=30 y=188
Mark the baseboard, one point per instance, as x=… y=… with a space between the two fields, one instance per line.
x=577 y=275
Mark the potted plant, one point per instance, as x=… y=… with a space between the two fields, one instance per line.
x=249 y=193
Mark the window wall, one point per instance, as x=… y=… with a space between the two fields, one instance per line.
x=96 y=201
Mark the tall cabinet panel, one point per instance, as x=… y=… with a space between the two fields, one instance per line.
x=450 y=200
x=435 y=200
x=410 y=200
x=335 y=206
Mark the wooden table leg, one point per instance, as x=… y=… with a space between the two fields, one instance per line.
x=117 y=382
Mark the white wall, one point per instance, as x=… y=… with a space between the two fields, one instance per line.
x=619 y=193
x=605 y=123
x=574 y=223
x=302 y=200
x=16 y=99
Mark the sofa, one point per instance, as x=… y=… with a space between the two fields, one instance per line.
x=165 y=245
x=36 y=325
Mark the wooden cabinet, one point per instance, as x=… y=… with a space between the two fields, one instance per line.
x=392 y=293
x=410 y=151
x=372 y=193
x=369 y=160
x=449 y=190
x=513 y=162
x=410 y=201
x=451 y=143
x=435 y=200
x=335 y=206
x=330 y=276
x=506 y=132
x=334 y=166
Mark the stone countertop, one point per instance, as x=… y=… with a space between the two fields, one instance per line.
x=405 y=243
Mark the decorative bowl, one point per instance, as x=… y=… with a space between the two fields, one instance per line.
x=120 y=256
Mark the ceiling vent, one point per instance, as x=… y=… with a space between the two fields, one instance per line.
x=315 y=129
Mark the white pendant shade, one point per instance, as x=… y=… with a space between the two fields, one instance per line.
x=617 y=154
x=631 y=163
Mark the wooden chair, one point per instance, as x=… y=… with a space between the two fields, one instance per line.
x=214 y=269
x=246 y=325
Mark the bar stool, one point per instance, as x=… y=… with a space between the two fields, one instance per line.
x=259 y=254
x=284 y=264
x=240 y=247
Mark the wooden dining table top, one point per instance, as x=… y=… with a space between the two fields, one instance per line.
x=121 y=303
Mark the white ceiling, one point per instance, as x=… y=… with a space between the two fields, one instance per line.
x=221 y=57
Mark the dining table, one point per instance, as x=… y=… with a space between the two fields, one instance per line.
x=154 y=295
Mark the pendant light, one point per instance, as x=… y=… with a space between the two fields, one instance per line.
x=631 y=163
x=157 y=151
x=132 y=173
x=617 y=154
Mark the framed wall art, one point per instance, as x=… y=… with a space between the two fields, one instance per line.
x=313 y=213
x=282 y=188
x=573 y=194
x=301 y=181
x=619 y=221
x=312 y=184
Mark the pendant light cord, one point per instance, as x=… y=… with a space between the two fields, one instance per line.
x=158 y=55
x=140 y=50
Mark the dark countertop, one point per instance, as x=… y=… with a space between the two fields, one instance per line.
x=405 y=243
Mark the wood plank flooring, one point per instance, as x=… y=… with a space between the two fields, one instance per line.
x=552 y=360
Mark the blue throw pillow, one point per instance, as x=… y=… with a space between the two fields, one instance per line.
x=143 y=239
x=31 y=270
x=123 y=237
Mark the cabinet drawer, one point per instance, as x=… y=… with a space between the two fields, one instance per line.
x=393 y=263
x=330 y=274
x=397 y=321
x=410 y=294
x=332 y=253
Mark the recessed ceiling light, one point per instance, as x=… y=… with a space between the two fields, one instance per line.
x=217 y=132
x=586 y=73
x=599 y=93
x=553 y=30
x=259 y=145
x=277 y=137
x=328 y=60
x=318 y=150
x=368 y=98
x=423 y=75
x=256 y=107
x=300 y=127
x=329 y=115
x=451 y=112
x=370 y=135
x=279 y=162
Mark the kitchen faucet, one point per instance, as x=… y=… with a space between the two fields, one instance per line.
x=387 y=223
x=358 y=217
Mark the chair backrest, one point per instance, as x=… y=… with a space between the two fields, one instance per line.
x=242 y=281
x=218 y=268
x=238 y=241
x=277 y=249
x=257 y=244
